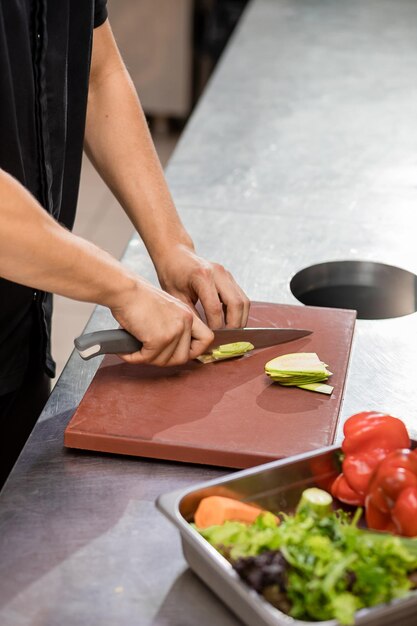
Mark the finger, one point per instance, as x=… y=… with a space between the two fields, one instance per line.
x=235 y=300
x=246 y=308
x=162 y=358
x=188 y=347
x=208 y=295
x=151 y=356
x=157 y=348
x=181 y=352
x=201 y=338
x=171 y=349
x=143 y=356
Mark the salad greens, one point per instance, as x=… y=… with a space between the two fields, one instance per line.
x=317 y=567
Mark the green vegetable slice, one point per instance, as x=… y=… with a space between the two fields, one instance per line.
x=229 y=350
x=300 y=369
x=226 y=351
x=316 y=502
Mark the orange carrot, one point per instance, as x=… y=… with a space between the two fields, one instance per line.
x=215 y=510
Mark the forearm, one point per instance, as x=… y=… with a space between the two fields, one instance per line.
x=119 y=144
x=36 y=251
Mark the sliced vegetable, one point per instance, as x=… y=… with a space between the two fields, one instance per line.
x=300 y=369
x=369 y=437
x=215 y=510
x=229 y=350
x=226 y=351
x=391 y=501
x=316 y=502
x=319 y=387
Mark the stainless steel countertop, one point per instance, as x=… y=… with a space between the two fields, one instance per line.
x=302 y=150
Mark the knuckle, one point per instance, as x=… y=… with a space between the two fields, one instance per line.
x=220 y=269
x=215 y=306
x=163 y=338
x=204 y=272
x=240 y=301
x=188 y=318
x=176 y=332
x=178 y=328
x=181 y=322
x=215 y=310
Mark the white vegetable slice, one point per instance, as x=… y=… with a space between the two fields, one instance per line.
x=300 y=369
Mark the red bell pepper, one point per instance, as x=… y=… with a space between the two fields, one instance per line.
x=340 y=489
x=325 y=468
x=369 y=437
x=391 y=501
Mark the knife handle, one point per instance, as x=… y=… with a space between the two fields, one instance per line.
x=116 y=341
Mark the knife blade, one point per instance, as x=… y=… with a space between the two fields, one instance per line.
x=119 y=341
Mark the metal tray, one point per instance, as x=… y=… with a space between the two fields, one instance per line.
x=275 y=486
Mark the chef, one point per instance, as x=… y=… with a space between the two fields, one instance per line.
x=63 y=86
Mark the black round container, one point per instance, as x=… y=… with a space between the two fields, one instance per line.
x=374 y=290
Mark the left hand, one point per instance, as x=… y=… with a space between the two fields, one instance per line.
x=189 y=278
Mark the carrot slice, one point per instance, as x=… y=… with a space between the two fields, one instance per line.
x=215 y=510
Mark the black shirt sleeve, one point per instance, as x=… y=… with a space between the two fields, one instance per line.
x=100 y=12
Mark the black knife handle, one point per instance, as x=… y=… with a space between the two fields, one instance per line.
x=116 y=341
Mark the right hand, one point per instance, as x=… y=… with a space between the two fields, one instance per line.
x=170 y=331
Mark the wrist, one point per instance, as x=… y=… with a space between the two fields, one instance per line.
x=164 y=254
x=123 y=288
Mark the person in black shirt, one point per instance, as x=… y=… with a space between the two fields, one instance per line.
x=63 y=85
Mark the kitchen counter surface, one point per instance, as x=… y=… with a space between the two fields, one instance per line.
x=302 y=150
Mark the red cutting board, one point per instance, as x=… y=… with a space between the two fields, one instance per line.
x=227 y=413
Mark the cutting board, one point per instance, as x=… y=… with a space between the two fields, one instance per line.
x=227 y=413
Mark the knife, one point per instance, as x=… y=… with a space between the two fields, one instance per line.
x=119 y=341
